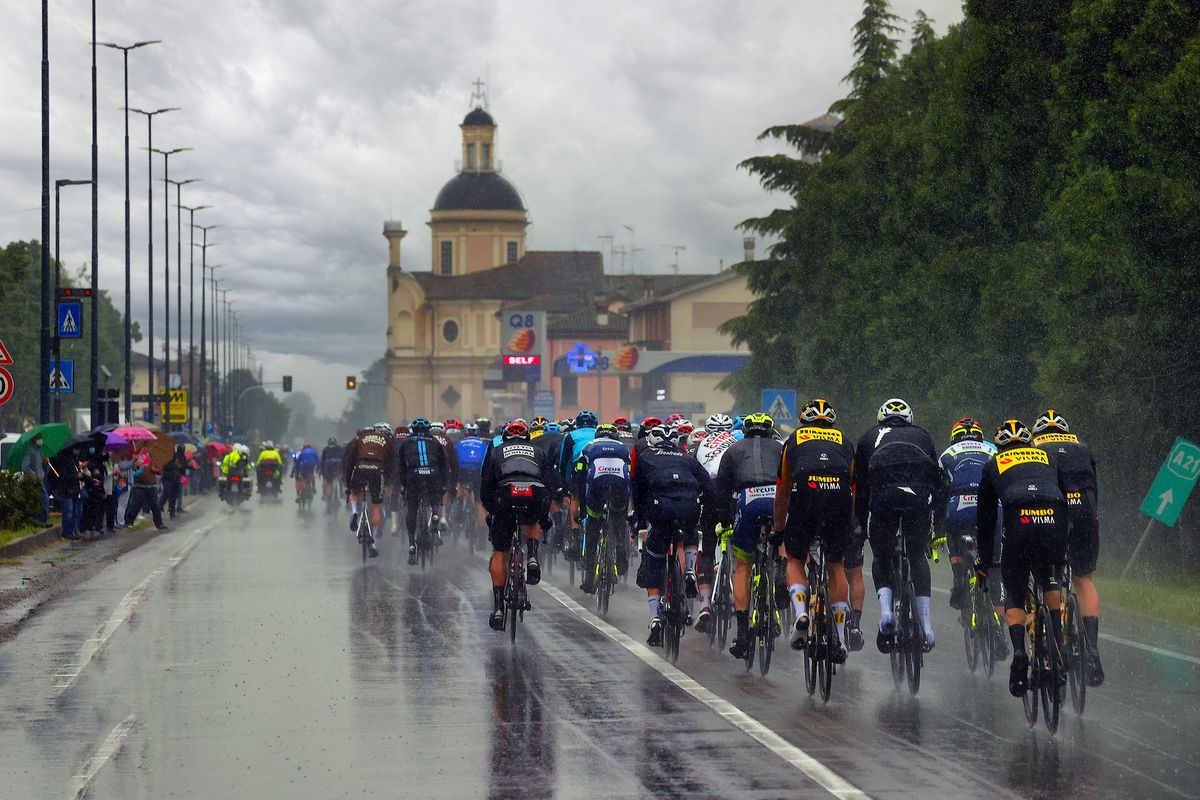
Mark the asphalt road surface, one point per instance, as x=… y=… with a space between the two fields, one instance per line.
x=253 y=655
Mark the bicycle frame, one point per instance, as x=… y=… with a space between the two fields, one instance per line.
x=907 y=653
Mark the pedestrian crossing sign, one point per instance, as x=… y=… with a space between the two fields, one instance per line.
x=780 y=404
x=62 y=377
x=70 y=319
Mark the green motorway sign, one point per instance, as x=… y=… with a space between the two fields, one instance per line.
x=1174 y=483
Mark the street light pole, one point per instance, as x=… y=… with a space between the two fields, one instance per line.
x=58 y=184
x=128 y=281
x=205 y=405
x=44 y=354
x=166 y=154
x=179 y=273
x=150 y=115
x=192 y=297
x=94 y=361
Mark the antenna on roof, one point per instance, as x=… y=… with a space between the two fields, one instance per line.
x=676 y=247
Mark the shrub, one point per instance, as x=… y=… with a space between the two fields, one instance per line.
x=20 y=499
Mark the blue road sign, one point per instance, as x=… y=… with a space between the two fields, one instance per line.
x=70 y=319
x=581 y=358
x=62 y=377
x=780 y=404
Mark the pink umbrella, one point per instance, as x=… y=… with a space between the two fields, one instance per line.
x=133 y=433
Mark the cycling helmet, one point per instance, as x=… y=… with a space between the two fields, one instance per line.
x=332 y=441
x=454 y=424
x=684 y=428
x=673 y=418
x=758 y=424
x=718 y=422
x=566 y=424
x=1012 y=431
x=553 y=427
x=647 y=424
x=471 y=429
x=818 y=409
x=606 y=430
x=420 y=425
x=622 y=424
x=362 y=431
x=401 y=429
x=538 y=423
x=660 y=436
x=243 y=449
x=437 y=426
x=1051 y=419
x=267 y=445
x=966 y=428
x=739 y=423
x=515 y=430
x=586 y=419
x=895 y=409
x=384 y=428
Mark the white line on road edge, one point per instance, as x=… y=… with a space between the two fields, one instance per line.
x=87 y=773
x=826 y=778
x=69 y=673
x=1149 y=648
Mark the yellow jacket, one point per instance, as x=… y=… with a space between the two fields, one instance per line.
x=270 y=456
x=231 y=461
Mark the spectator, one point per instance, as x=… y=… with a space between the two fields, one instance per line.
x=123 y=482
x=34 y=464
x=172 y=479
x=93 y=496
x=144 y=495
x=65 y=479
x=110 y=482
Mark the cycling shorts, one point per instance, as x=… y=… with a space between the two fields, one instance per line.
x=1035 y=541
x=614 y=492
x=755 y=506
x=370 y=477
x=667 y=517
x=468 y=478
x=1083 y=540
x=820 y=509
x=331 y=469
x=517 y=503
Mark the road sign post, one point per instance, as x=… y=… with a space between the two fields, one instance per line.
x=1170 y=490
x=780 y=404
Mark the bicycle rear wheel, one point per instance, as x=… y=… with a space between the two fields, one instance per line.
x=364 y=538
x=1030 y=699
x=673 y=618
x=827 y=638
x=1054 y=678
x=1076 y=653
x=971 y=628
x=913 y=637
x=604 y=579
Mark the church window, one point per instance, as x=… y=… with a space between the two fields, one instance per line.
x=447 y=267
x=512 y=252
x=450 y=330
x=487 y=156
x=471 y=157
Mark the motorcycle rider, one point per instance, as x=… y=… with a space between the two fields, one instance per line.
x=269 y=456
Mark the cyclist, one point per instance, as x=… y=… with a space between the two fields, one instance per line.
x=1052 y=434
x=331 y=466
x=625 y=434
x=954 y=511
x=683 y=433
x=745 y=497
x=365 y=468
x=896 y=474
x=421 y=474
x=815 y=500
x=715 y=440
x=1026 y=483
x=454 y=431
x=515 y=489
x=667 y=491
x=601 y=476
x=268 y=456
x=718 y=430
x=641 y=445
x=572 y=447
x=437 y=430
x=304 y=468
x=470 y=453
x=484 y=426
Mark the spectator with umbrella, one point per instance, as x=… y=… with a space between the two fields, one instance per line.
x=144 y=494
x=172 y=479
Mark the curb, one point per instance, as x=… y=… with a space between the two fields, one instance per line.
x=26 y=545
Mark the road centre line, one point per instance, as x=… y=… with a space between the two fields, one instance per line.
x=108 y=748
x=69 y=672
x=820 y=774
x=1149 y=648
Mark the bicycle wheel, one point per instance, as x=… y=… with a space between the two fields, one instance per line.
x=513 y=589
x=913 y=638
x=364 y=538
x=603 y=574
x=767 y=628
x=1030 y=698
x=1076 y=654
x=826 y=636
x=722 y=608
x=672 y=616
x=971 y=629
x=987 y=628
x=1054 y=677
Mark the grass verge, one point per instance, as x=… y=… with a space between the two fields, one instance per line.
x=1163 y=592
x=28 y=530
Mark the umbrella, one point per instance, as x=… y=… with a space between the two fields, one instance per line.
x=216 y=449
x=114 y=442
x=132 y=433
x=161 y=447
x=182 y=437
x=93 y=441
x=54 y=436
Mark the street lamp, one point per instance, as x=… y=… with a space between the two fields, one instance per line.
x=206 y=407
x=150 y=115
x=128 y=281
x=179 y=272
x=192 y=293
x=166 y=154
x=58 y=184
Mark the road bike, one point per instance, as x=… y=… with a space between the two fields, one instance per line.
x=907 y=653
x=364 y=533
x=608 y=540
x=821 y=641
x=1047 y=672
x=305 y=490
x=424 y=532
x=766 y=623
x=516 y=593
x=721 y=604
x=672 y=606
x=334 y=497
x=1074 y=643
x=980 y=625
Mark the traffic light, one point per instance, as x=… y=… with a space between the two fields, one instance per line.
x=287 y=383
x=74 y=293
x=351 y=383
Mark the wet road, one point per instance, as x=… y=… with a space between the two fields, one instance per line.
x=252 y=655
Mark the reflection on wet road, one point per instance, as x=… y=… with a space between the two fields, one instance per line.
x=266 y=661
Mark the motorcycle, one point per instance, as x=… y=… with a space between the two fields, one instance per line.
x=236 y=489
x=270 y=480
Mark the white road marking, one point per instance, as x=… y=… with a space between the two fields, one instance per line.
x=826 y=778
x=1108 y=637
x=69 y=672
x=108 y=748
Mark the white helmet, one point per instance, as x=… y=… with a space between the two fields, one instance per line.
x=437 y=426
x=243 y=449
x=1051 y=419
x=896 y=408
x=268 y=445
x=718 y=422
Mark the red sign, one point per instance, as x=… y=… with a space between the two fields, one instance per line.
x=6 y=386
x=5 y=358
x=522 y=361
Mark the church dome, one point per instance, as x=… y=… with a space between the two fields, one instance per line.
x=477 y=116
x=478 y=191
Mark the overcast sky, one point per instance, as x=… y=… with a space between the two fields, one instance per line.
x=314 y=121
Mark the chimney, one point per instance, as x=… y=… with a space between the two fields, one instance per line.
x=393 y=231
x=748 y=248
